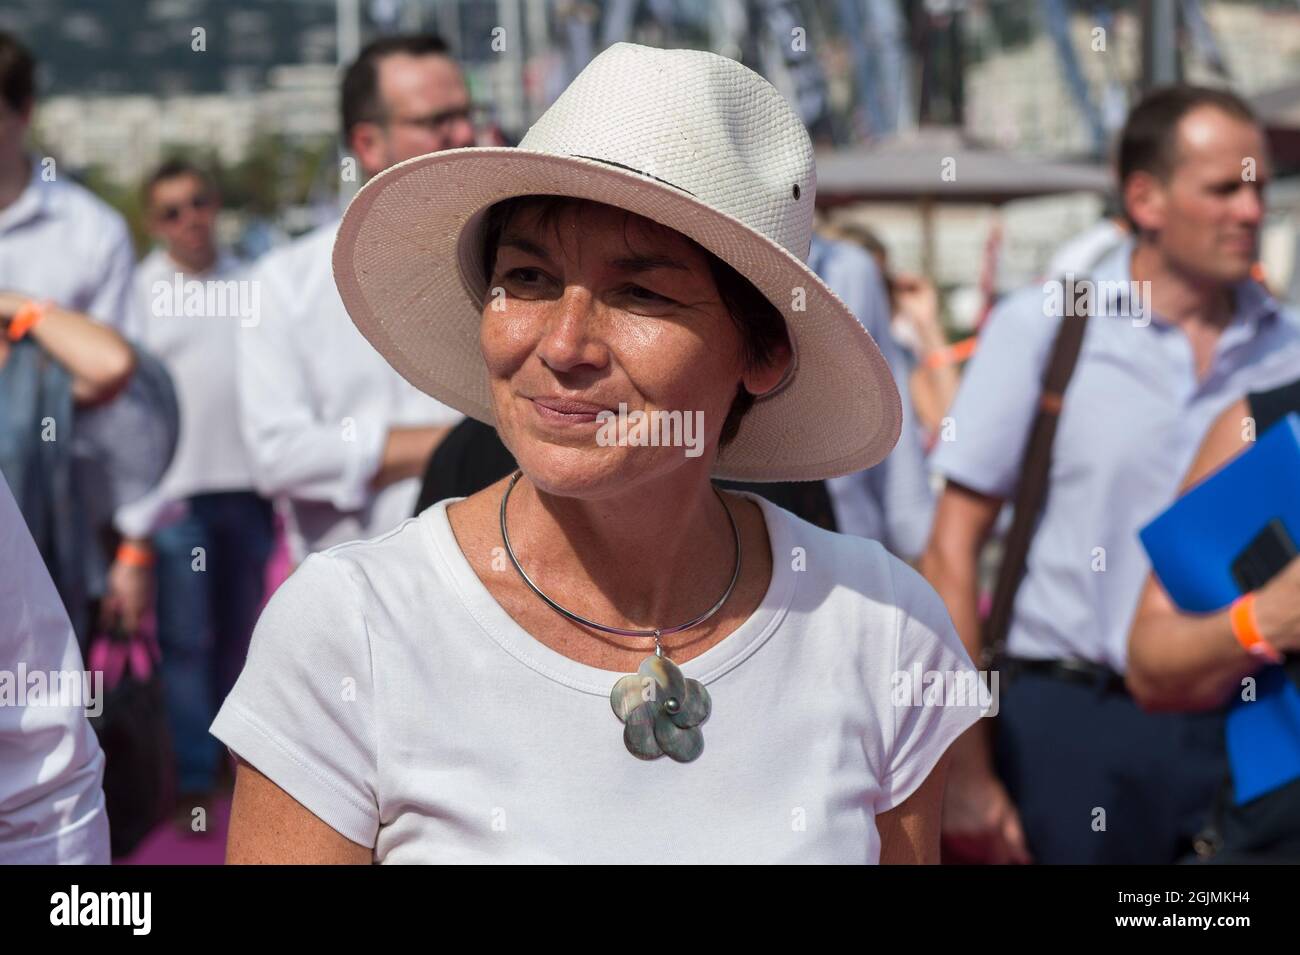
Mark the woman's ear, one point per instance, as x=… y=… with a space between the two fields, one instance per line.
x=759 y=381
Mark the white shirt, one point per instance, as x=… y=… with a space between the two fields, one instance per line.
x=1134 y=416
x=389 y=693
x=1080 y=254
x=891 y=502
x=317 y=402
x=180 y=319
x=51 y=766
x=59 y=242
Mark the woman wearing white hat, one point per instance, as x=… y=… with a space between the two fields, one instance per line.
x=602 y=658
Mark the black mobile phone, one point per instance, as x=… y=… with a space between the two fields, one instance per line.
x=1259 y=562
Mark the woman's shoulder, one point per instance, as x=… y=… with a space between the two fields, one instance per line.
x=338 y=600
x=854 y=573
x=408 y=541
x=362 y=570
x=815 y=549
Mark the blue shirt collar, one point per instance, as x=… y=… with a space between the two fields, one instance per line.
x=1254 y=306
x=31 y=202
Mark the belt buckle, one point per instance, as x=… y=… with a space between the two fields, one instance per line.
x=1082 y=671
x=1096 y=675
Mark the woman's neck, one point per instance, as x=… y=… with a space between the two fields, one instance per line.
x=654 y=555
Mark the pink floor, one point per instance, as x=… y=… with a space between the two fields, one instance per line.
x=167 y=845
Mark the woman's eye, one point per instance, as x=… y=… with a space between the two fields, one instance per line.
x=525 y=276
x=642 y=294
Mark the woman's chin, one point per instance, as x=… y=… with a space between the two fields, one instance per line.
x=593 y=472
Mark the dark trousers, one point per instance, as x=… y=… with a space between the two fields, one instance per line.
x=1097 y=780
x=206 y=614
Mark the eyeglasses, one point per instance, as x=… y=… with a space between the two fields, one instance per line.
x=173 y=212
x=438 y=122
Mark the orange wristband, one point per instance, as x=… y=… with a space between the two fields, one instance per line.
x=1246 y=629
x=26 y=317
x=953 y=354
x=134 y=556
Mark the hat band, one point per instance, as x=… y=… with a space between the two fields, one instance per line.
x=639 y=172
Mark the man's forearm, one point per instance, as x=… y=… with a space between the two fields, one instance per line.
x=406 y=454
x=98 y=358
x=956 y=580
x=955 y=577
x=1183 y=662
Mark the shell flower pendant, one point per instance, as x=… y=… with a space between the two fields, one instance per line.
x=661 y=710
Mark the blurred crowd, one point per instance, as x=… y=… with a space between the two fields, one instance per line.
x=178 y=432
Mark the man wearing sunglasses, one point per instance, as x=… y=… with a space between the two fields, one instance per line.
x=192 y=300
x=329 y=424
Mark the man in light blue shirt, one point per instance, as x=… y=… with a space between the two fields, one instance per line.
x=891 y=502
x=1177 y=331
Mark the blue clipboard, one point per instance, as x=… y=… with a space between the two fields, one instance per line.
x=1192 y=546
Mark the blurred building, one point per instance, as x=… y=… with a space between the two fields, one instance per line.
x=127 y=135
x=125 y=84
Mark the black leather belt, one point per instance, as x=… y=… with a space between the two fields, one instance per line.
x=1073 y=671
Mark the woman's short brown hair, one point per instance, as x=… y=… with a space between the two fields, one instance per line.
x=760 y=323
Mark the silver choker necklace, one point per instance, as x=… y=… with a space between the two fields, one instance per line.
x=660 y=708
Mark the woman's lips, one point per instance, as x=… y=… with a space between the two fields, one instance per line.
x=564 y=411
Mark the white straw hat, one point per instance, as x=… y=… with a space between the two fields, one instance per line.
x=690 y=139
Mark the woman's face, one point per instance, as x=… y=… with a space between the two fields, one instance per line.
x=602 y=308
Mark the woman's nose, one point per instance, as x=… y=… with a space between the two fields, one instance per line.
x=571 y=334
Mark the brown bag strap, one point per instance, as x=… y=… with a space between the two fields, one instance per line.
x=1035 y=472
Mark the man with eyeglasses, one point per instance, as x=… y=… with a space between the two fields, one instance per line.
x=329 y=424
x=192 y=300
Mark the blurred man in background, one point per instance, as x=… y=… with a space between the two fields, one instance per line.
x=65 y=271
x=203 y=533
x=328 y=422
x=57 y=240
x=1177 y=331
x=928 y=374
x=891 y=502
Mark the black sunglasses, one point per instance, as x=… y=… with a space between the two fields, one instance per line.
x=438 y=121
x=172 y=213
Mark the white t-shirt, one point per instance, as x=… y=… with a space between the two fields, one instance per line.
x=389 y=693
x=170 y=317
x=51 y=766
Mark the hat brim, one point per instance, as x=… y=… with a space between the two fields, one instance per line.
x=408 y=265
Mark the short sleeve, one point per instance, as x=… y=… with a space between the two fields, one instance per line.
x=110 y=303
x=935 y=695
x=302 y=710
x=988 y=425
